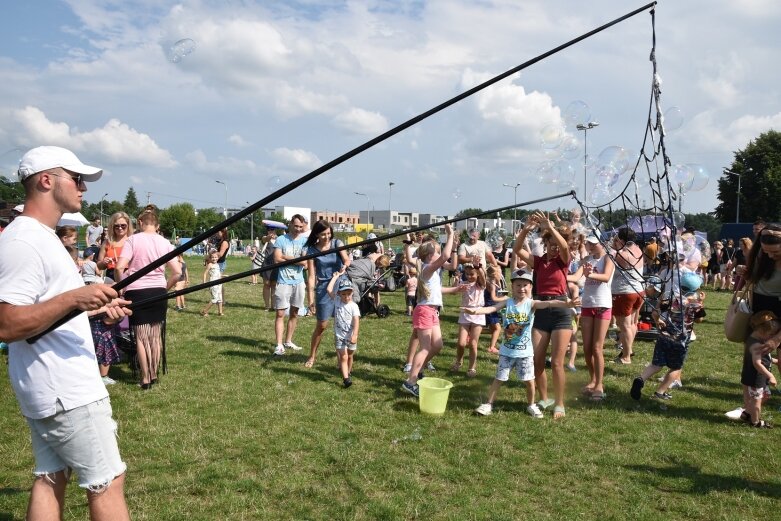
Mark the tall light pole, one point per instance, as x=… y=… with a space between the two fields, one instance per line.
x=225 y=208
x=390 y=192
x=368 y=220
x=515 y=200
x=737 y=204
x=101 y=209
x=585 y=128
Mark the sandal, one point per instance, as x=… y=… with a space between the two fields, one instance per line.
x=559 y=412
x=455 y=367
x=598 y=396
x=762 y=424
x=309 y=363
x=586 y=390
x=204 y=314
x=745 y=416
x=471 y=373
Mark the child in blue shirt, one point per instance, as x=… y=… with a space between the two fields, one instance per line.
x=516 y=350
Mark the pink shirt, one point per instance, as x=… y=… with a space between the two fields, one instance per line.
x=142 y=249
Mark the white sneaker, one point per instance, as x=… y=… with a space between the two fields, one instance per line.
x=430 y=367
x=534 y=411
x=291 y=345
x=692 y=336
x=407 y=368
x=280 y=350
x=676 y=384
x=107 y=380
x=485 y=409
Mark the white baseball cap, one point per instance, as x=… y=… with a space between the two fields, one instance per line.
x=47 y=157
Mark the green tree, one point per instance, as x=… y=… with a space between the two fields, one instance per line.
x=207 y=217
x=704 y=222
x=759 y=166
x=11 y=191
x=131 y=202
x=178 y=219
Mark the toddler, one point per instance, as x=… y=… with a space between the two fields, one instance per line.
x=756 y=374
x=411 y=286
x=212 y=272
x=469 y=325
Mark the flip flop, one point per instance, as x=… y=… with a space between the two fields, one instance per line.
x=471 y=373
x=586 y=390
x=309 y=363
x=559 y=412
x=598 y=396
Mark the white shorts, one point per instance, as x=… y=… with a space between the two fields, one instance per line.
x=289 y=296
x=83 y=439
x=524 y=368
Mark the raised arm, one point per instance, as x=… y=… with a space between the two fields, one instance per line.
x=521 y=253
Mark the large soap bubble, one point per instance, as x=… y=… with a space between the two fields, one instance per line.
x=495 y=238
x=699 y=179
x=576 y=113
x=570 y=147
x=180 y=49
x=551 y=136
x=672 y=119
x=544 y=172
x=274 y=183
x=681 y=174
x=620 y=158
x=456 y=194
x=562 y=172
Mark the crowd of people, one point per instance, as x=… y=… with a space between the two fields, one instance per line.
x=563 y=279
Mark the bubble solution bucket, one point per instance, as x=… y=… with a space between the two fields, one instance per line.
x=433 y=395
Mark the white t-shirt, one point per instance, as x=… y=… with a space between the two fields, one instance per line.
x=343 y=318
x=61 y=365
x=469 y=250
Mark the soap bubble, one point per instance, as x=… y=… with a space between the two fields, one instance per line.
x=562 y=172
x=700 y=178
x=570 y=147
x=544 y=172
x=180 y=49
x=672 y=119
x=679 y=219
x=551 y=136
x=681 y=174
x=601 y=194
x=576 y=113
x=457 y=193
x=496 y=237
x=620 y=158
x=274 y=183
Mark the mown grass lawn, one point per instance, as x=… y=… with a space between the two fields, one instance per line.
x=233 y=433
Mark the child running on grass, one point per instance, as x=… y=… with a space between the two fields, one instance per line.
x=212 y=272
x=470 y=326
x=517 y=350
x=674 y=322
x=347 y=319
x=756 y=374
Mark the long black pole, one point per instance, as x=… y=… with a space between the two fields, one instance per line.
x=348 y=155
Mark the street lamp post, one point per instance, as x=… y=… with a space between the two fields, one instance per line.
x=390 y=192
x=737 y=203
x=225 y=208
x=585 y=128
x=368 y=210
x=101 y=209
x=251 y=226
x=515 y=200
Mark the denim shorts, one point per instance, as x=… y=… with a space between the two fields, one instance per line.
x=83 y=439
x=669 y=352
x=524 y=368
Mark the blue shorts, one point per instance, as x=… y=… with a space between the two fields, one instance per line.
x=669 y=352
x=83 y=439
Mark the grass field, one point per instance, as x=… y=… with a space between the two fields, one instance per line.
x=233 y=433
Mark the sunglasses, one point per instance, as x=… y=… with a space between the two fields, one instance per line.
x=120 y=226
x=76 y=178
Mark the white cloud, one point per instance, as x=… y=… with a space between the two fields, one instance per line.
x=295 y=159
x=237 y=140
x=359 y=121
x=222 y=166
x=115 y=142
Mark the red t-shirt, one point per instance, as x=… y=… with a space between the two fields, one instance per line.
x=550 y=276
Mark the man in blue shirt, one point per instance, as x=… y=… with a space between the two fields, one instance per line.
x=291 y=289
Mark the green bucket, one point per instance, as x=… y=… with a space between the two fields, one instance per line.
x=434 y=393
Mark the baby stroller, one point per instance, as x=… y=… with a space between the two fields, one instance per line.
x=367 y=281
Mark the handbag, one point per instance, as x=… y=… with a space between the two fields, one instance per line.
x=738 y=315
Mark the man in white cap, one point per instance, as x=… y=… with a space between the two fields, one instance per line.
x=56 y=379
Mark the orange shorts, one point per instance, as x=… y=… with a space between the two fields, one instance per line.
x=626 y=304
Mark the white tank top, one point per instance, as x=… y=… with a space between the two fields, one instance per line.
x=434 y=285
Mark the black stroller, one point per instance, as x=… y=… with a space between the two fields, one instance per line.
x=367 y=281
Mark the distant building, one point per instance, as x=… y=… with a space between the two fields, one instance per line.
x=335 y=218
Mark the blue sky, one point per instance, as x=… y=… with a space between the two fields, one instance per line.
x=276 y=89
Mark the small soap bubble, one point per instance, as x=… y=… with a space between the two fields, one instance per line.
x=570 y=147
x=274 y=183
x=681 y=174
x=180 y=49
x=551 y=136
x=457 y=193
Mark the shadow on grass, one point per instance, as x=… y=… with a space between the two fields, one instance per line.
x=703 y=483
